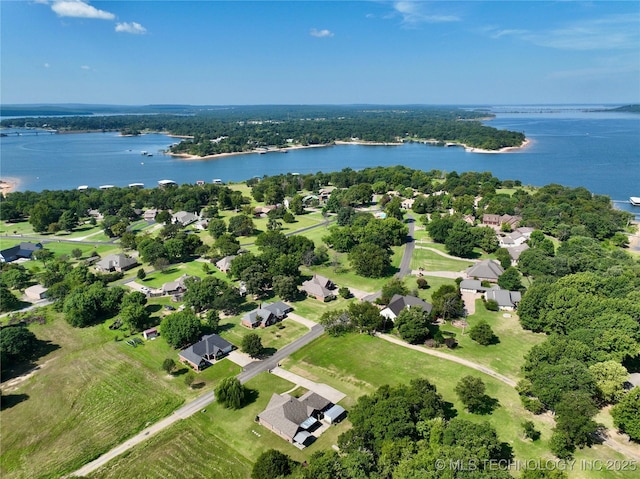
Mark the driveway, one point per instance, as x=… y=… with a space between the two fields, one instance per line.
x=323 y=390
x=470 y=301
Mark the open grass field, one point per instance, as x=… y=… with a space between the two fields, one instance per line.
x=358 y=364
x=273 y=337
x=432 y=261
x=434 y=283
x=342 y=275
x=313 y=309
x=89 y=394
x=217 y=444
x=174 y=271
x=505 y=357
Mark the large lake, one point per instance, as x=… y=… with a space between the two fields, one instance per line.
x=600 y=151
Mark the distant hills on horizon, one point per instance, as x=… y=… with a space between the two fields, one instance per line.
x=81 y=109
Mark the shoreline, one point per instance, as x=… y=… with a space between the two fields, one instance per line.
x=508 y=149
x=8 y=185
x=188 y=157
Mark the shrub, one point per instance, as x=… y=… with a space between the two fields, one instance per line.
x=491 y=305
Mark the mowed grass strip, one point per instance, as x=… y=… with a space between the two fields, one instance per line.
x=359 y=364
x=88 y=397
x=215 y=444
x=507 y=355
x=432 y=261
x=343 y=275
x=185 y=450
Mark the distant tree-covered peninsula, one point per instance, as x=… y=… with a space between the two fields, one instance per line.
x=217 y=130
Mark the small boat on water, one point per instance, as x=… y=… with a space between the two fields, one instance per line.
x=83 y=187
x=635 y=200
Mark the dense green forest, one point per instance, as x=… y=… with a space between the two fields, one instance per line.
x=235 y=129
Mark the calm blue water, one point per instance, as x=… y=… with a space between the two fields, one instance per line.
x=600 y=151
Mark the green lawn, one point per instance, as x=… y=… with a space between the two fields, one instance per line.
x=273 y=337
x=432 y=261
x=333 y=361
x=89 y=395
x=217 y=444
x=505 y=357
x=312 y=309
x=434 y=283
x=174 y=271
x=342 y=275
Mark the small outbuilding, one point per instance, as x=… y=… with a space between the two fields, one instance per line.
x=36 y=292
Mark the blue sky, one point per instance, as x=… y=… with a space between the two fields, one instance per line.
x=317 y=52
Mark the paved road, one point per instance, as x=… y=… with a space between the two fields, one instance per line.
x=405 y=262
x=250 y=371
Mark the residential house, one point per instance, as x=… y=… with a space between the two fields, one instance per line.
x=323 y=195
x=516 y=251
x=525 y=231
x=36 y=292
x=202 y=225
x=149 y=215
x=294 y=419
x=263 y=211
x=224 y=264
x=23 y=250
x=507 y=300
x=407 y=203
x=511 y=240
x=319 y=287
x=488 y=270
x=184 y=218
x=178 y=286
x=203 y=353
x=95 y=214
x=116 y=262
x=496 y=221
x=266 y=315
x=399 y=302
x=472 y=286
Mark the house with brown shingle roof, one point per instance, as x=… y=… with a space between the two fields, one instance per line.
x=319 y=287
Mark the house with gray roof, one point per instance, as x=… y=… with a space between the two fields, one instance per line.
x=224 y=264
x=319 y=287
x=516 y=251
x=23 y=250
x=266 y=315
x=178 y=286
x=295 y=419
x=507 y=300
x=184 y=218
x=36 y=292
x=472 y=286
x=512 y=239
x=488 y=270
x=203 y=353
x=116 y=262
x=399 y=302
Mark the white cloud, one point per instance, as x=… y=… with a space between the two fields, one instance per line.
x=85 y=67
x=608 y=33
x=414 y=13
x=79 y=9
x=46 y=65
x=133 y=27
x=321 y=33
